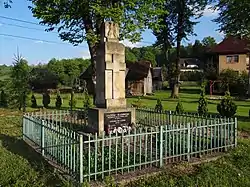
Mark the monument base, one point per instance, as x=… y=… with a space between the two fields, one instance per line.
x=110 y=120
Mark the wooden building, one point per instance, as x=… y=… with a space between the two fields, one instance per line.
x=157 y=78
x=87 y=77
x=139 y=78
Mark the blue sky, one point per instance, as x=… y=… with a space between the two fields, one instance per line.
x=38 y=51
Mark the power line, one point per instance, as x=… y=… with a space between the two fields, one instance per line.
x=38 y=40
x=14 y=25
x=33 y=23
x=23 y=21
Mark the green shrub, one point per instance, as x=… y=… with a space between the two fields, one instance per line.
x=138 y=103
x=58 y=101
x=33 y=101
x=73 y=103
x=179 y=108
x=165 y=85
x=109 y=181
x=237 y=82
x=190 y=76
x=46 y=100
x=202 y=107
x=3 y=99
x=86 y=101
x=158 y=106
x=227 y=108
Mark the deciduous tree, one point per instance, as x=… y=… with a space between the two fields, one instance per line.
x=179 y=24
x=81 y=20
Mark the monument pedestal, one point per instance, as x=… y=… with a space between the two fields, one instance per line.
x=110 y=120
x=111 y=115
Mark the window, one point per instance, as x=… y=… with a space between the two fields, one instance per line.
x=233 y=59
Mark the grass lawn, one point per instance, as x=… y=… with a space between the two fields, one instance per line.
x=188 y=95
x=231 y=170
x=20 y=166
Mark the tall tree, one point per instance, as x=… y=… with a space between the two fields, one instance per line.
x=233 y=17
x=234 y=20
x=179 y=23
x=129 y=55
x=79 y=20
x=208 y=41
x=19 y=82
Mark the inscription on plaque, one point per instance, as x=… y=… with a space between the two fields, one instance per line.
x=117 y=122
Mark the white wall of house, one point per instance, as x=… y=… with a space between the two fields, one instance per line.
x=148 y=85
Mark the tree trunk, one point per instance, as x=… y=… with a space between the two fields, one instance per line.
x=93 y=54
x=249 y=80
x=175 y=89
x=93 y=51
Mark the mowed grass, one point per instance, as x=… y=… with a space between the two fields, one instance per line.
x=189 y=97
x=19 y=165
x=231 y=170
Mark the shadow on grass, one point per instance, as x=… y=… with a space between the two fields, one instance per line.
x=189 y=91
x=19 y=147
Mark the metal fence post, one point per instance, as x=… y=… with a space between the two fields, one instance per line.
x=235 y=131
x=188 y=141
x=42 y=137
x=170 y=117
x=81 y=158
x=24 y=127
x=161 y=146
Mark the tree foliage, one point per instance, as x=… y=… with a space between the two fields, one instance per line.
x=233 y=17
x=179 y=108
x=202 y=104
x=67 y=70
x=208 y=42
x=158 y=106
x=81 y=20
x=58 y=101
x=46 y=99
x=178 y=24
x=7 y=3
x=72 y=101
x=3 y=99
x=236 y=83
x=42 y=78
x=227 y=108
x=33 y=101
x=19 y=87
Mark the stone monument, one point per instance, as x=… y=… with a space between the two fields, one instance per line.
x=111 y=113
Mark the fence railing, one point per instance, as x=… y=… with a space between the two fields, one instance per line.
x=155 y=146
x=151 y=117
x=55 y=142
x=92 y=157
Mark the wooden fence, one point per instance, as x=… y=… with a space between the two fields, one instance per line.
x=91 y=157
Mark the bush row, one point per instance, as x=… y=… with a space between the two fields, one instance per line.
x=226 y=108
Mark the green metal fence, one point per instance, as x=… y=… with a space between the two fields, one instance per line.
x=92 y=157
x=55 y=142
x=151 y=117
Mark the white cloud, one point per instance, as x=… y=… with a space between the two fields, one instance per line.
x=39 y=42
x=127 y=43
x=221 y=34
x=85 y=55
x=210 y=11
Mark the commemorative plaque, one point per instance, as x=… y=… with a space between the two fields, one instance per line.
x=119 y=122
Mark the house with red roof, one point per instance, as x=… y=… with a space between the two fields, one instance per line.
x=231 y=53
